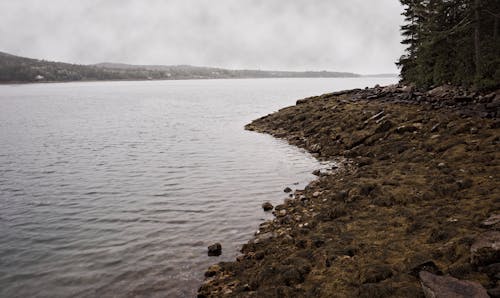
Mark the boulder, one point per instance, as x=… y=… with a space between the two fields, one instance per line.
x=486 y=249
x=267 y=206
x=441 y=91
x=215 y=250
x=287 y=190
x=435 y=286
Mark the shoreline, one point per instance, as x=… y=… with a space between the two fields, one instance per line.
x=184 y=79
x=417 y=184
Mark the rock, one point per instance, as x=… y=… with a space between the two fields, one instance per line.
x=491 y=221
x=435 y=286
x=435 y=127
x=215 y=250
x=263 y=237
x=267 y=206
x=281 y=213
x=441 y=91
x=390 y=88
x=212 y=270
x=315 y=148
x=407 y=89
x=407 y=128
x=316 y=194
x=376 y=116
x=486 y=249
x=287 y=190
x=316 y=172
x=384 y=126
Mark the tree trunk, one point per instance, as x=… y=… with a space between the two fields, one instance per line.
x=477 y=53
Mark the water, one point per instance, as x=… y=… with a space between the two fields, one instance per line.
x=117 y=188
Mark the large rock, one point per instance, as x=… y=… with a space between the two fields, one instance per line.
x=485 y=249
x=215 y=250
x=436 y=286
x=442 y=91
x=267 y=206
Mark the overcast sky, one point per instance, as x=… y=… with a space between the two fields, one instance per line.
x=344 y=35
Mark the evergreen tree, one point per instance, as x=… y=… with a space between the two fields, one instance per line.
x=451 y=42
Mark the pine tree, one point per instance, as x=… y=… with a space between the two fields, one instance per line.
x=451 y=42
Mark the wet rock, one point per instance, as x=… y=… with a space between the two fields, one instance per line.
x=263 y=237
x=435 y=286
x=316 y=172
x=215 y=250
x=486 y=249
x=213 y=270
x=287 y=190
x=315 y=148
x=267 y=206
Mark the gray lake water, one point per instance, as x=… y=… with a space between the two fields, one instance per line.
x=117 y=188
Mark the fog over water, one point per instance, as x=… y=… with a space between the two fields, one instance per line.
x=339 y=35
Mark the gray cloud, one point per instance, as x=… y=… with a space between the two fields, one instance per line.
x=345 y=35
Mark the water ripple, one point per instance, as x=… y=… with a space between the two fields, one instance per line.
x=116 y=189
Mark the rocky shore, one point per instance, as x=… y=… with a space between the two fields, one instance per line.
x=413 y=209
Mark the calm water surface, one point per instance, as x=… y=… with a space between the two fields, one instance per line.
x=117 y=188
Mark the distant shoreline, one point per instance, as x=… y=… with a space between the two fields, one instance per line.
x=20 y=70
x=188 y=79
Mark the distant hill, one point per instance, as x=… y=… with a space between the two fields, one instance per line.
x=20 y=69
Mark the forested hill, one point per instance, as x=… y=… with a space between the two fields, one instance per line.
x=20 y=69
x=451 y=42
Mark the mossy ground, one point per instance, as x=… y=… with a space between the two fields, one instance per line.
x=416 y=182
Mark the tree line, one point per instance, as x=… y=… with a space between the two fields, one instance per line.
x=451 y=42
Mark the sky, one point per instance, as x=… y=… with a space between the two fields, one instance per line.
x=359 y=36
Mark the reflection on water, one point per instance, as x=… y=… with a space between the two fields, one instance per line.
x=117 y=188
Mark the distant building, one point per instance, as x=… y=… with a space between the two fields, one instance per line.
x=39 y=78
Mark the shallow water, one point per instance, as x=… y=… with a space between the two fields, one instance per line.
x=117 y=188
